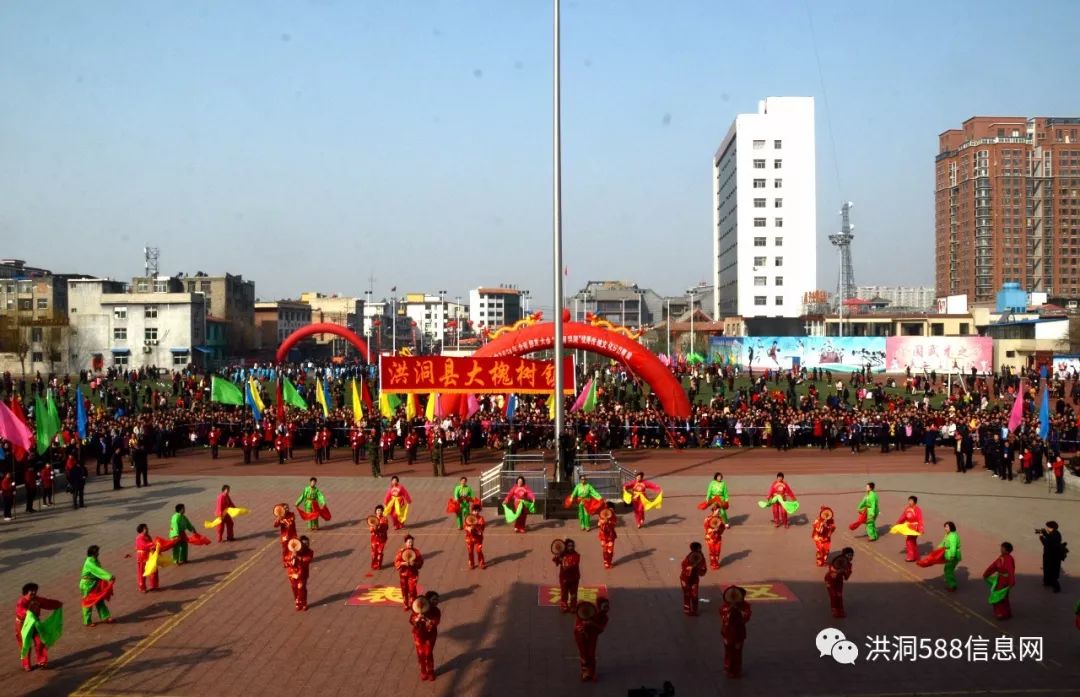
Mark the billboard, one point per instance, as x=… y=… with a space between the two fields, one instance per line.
x=844 y=354
x=1066 y=367
x=941 y=354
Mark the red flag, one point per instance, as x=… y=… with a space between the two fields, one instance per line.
x=18 y=451
x=280 y=403
x=366 y=396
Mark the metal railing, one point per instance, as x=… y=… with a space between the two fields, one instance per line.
x=605 y=474
x=497 y=481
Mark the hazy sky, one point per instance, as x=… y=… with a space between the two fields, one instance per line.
x=307 y=145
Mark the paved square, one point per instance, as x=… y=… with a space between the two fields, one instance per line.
x=224 y=624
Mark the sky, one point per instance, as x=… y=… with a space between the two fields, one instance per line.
x=314 y=145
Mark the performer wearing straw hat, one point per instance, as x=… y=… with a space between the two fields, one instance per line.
x=839 y=571
x=424 y=618
x=714 y=534
x=408 y=562
x=821 y=533
x=569 y=562
x=588 y=626
x=608 y=521
x=300 y=557
x=734 y=616
x=693 y=568
x=474 y=535
x=378 y=526
x=285 y=522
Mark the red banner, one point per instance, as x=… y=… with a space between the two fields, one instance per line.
x=449 y=375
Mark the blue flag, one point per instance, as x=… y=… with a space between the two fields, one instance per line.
x=80 y=412
x=511 y=407
x=326 y=394
x=250 y=401
x=1044 y=414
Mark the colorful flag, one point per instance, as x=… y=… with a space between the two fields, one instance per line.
x=320 y=397
x=472 y=405
x=225 y=392
x=256 y=396
x=358 y=411
x=388 y=404
x=590 y=398
x=580 y=401
x=431 y=410
x=47 y=422
x=511 y=407
x=552 y=401
x=365 y=395
x=1016 y=415
x=80 y=412
x=279 y=402
x=14 y=430
x=411 y=406
x=249 y=399
x=292 y=395
x=19 y=449
x=1044 y=414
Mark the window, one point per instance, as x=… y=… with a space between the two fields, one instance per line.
x=204 y=286
x=142 y=286
x=28 y=287
x=779 y=261
x=150 y=312
x=37 y=357
x=759 y=144
x=964 y=329
x=759 y=299
x=759 y=222
x=779 y=299
x=778 y=203
x=120 y=359
x=759 y=164
x=937 y=329
x=759 y=241
x=759 y=203
x=150 y=334
x=777 y=144
x=26 y=304
x=759 y=183
x=180 y=359
x=779 y=280
x=119 y=313
x=779 y=223
x=779 y=241
x=759 y=261
x=759 y=280
x=161 y=286
x=778 y=183
x=777 y=164
x=119 y=333
x=43 y=303
x=35 y=334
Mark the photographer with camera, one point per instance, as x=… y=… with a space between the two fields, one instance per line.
x=1054 y=552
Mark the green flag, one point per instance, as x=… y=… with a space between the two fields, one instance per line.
x=221 y=390
x=48 y=629
x=291 y=396
x=47 y=422
x=590 y=399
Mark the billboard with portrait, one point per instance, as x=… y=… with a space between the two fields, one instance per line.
x=941 y=354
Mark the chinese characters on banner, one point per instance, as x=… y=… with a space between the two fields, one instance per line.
x=451 y=375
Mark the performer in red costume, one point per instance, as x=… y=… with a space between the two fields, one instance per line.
x=912 y=515
x=378 y=525
x=569 y=563
x=285 y=522
x=636 y=491
x=734 y=616
x=408 y=562
x=224 y=503
x=839 y=571
x=474 y=536
x=714 y=535
x=780 y=488
x=589 y=625
x=821 y=533
x=519 y=494
x=693 y=568
x=30 y=601
x=1005 y=568
x=425 y=620
x=300 y=557
x=397 y=502
x=608 y=521
x=144 y=544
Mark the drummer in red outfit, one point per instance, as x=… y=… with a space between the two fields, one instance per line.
x=569 y=562
x=734 y=616
x=378 y=525
x=298 y=569
x=714 y=534
x=693 y=568
x=425 y=620
x=408 y=561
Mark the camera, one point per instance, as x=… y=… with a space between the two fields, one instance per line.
x=1038 y=531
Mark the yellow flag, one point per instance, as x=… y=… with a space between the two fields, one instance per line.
x=255 y=396
x=551 y=406
x=410 y=406
x=432 y=408
x=320 y=398
x=358 y=411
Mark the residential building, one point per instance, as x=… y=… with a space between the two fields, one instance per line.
x=436 y=318
x=35 y=335
x=276 y=320
x=620 y=302
x=336 y=309
x=1007 y=207
x=496 y=307
x=232 y=299
x=764 y=216
x=909 y=297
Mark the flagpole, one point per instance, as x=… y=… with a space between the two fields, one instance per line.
x=560 y=378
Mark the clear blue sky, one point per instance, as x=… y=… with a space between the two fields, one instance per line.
x=309 y=144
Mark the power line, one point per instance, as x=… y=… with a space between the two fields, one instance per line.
x=824 y=95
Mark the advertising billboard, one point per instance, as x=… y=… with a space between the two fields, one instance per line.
x=941 y=354
x=844 y=354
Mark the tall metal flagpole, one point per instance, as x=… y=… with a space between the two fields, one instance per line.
x=558 y=257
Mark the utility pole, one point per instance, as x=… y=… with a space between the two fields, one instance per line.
x=557 y=260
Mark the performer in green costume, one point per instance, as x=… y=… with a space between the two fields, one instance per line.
x=951 y=545
x=179 y=527
x=311 y=494
x=95 y=585
x=868 y=513
x=463 y=494
x=717 y=489
x=583 y=492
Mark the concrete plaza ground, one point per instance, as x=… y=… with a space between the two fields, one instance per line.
x=224 y=624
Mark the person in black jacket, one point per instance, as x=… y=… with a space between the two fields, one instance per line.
x=1052 y=548
x=77 y=484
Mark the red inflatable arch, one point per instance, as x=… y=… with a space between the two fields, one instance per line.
x=541 y=337
x=323 y=328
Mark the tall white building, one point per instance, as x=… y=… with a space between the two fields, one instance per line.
x=765 y=212
x=495 y=307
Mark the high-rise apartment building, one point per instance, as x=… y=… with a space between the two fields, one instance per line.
x=1007 y=207
x=765 y=212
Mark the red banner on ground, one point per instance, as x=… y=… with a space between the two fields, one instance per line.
x=450 y=375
